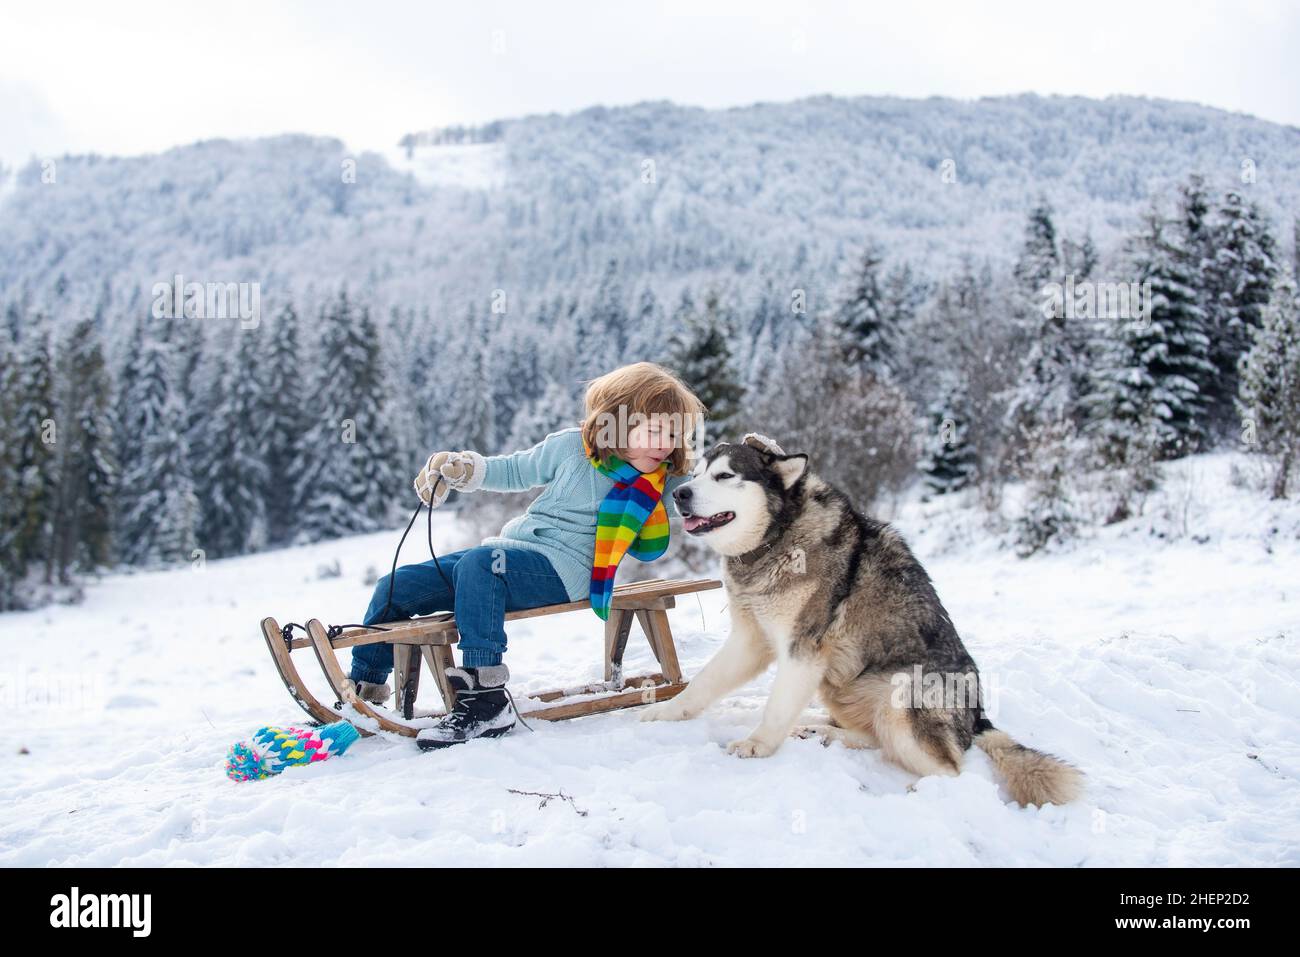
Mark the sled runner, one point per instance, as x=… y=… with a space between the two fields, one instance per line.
x=430 y=639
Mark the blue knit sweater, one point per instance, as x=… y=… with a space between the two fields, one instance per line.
x=561 y=522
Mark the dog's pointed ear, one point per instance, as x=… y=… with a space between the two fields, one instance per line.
x=791 y=468
x=762 y=443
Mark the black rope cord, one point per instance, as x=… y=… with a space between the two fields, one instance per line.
x=334 y=631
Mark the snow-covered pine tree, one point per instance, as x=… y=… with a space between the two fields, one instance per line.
x=1039 y=262
x=1240 y=276
x=352 y=481
x=172 y=527
x=1044 y=393
x=201 y=399
x=511 y=374
x=859 y=318
x=903 y=294
x=283 y=424
x=948 y=462
x=1080 y=259
x=234 y=468
x=1192 y=227
x=38 y=433
x=762 y=330
x=700 y=355
x=84 y=525
x=1164 y=359
x=607 y=323
x=644 y=337
x=1295 y=248
x=13 y=321
x=1269 y=399
x=468 y=410
x=12 y=568
x=158 y=509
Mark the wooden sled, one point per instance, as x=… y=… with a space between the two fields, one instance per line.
x=430 y=638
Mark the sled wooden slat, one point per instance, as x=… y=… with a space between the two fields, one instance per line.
x=440 y=627
x=429 y=640
x=292 y=680
x=624 y=699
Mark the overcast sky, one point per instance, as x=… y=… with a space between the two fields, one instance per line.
x=142 y=76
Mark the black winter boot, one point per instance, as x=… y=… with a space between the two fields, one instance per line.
x=483 y=709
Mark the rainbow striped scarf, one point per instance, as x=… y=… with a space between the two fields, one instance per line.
x=631 y=520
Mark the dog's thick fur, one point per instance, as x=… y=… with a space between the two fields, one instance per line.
x=846 y=611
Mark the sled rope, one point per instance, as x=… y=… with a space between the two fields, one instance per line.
x=392 y=575
x=333 y=631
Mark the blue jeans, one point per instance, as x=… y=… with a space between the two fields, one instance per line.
x=489 y=579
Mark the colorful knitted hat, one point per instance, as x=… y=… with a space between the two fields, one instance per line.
x=274 y=749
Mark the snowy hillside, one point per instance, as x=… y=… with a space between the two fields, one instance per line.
x=676 y=195
x=1161 y=655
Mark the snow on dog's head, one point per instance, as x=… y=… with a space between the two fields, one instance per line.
x=736 y=493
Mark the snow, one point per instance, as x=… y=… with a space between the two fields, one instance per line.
x=1161 y=655
x=474 y=166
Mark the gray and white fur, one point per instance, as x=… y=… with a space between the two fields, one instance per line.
x=842 y=606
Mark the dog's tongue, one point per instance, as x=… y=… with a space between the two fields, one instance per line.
x=692 y=522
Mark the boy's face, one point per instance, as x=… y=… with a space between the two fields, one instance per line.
x=650 y=443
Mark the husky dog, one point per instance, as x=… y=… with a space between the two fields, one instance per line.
x=846 y=611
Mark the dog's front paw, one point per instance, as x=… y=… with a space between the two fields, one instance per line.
x=751 y=747
x=670 y=710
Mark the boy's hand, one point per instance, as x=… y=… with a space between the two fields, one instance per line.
x=431 y=485
x=457 y=470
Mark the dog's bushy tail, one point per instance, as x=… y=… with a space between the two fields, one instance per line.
x=1032 y=777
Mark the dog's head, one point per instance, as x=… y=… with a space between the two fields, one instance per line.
x=736 y=493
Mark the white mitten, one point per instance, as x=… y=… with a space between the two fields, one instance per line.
x=430 y=484
x=464 y=471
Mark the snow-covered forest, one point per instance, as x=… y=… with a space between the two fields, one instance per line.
x=861 y=278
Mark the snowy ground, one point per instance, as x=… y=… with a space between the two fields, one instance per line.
x=1166 y=667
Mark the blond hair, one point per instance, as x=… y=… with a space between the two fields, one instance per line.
x=642 y=389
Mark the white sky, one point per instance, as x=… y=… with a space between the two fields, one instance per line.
x=139 y=77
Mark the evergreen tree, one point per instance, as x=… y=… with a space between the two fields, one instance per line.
x=1040 y=260
x=511 y=374
x=283 y=425
x=235 y=472
x=1157 y=367
x=158 y=507
x=84 y=509
x=1079 y=260
x=1045 y=391
x=12 y=566
x=1240 y=277
x=700 y=355
x=608 y=322
x=37 y=436
x=352 y=480
x=1269 y=400
x=1196 y=239
x=466 y=407
x=859 y=320
x=647 y=327
x=948 y=462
